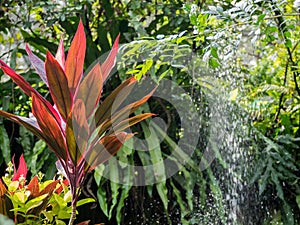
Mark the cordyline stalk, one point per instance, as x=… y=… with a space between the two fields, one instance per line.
x=80 y=131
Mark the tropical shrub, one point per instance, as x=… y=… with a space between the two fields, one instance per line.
x=81 y=133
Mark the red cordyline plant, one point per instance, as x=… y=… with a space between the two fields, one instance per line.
x=81 y=132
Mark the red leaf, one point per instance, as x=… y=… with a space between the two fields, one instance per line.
x=109 y=63
x=29 y=123
x=77 y=132
x=120 y=115
x=105 y=149
x=58 y=86
x=26 y=88
x=19 y=80
x=75 y=59
x=49 y=126
x=22 y=169
x=49 y=188
x=104 y=111
x=60 y=54
x=60 y=188
x=117 y=127
x=34 y=188
x=90 y=89
x=37 y=63
x=3 y=189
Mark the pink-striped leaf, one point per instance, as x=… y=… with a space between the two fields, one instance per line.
x=38 y=64
x=109 y=63
x=75 y=59
x=90 y=89
x=19 y=80
x=50 y=128
x=28 y=123
x=60 y=54
x=26 y=87
x=58 y=85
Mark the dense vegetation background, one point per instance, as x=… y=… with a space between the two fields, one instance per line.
x=242 y=54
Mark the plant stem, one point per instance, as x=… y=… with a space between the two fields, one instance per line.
x=73 y=204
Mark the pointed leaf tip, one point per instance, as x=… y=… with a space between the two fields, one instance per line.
x=109 y=63
x=60 y=54
x=22 y=168
x=18 y=79
x=75 y=58
x=37 y=63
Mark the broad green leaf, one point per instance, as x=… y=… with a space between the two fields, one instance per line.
x=13 y=186
x=21 y=197
x=84 y=201
x=163 y=193
x=274 y=178
x=127 y=181
x=260 y=18
x=213 y=62
x=288 y=43
x=157 y=162
x=34 y=164
x=114 y=187
x=35 y=202
x=180 y=201
x=288 y=214
x=298 y=200
x=101 y=196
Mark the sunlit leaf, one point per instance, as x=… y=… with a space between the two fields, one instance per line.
x=51 y=129
x=58 y=86
x=75 y=59
x=111 y=59
x=38 y=64
x=90 y=89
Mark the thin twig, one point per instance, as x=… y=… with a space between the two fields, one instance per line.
x=281 y=96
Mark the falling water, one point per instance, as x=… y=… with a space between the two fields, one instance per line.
x=231 y=157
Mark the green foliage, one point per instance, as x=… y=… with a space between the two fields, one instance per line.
x=253 y=50
x=263 y=54
x=37 y=202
